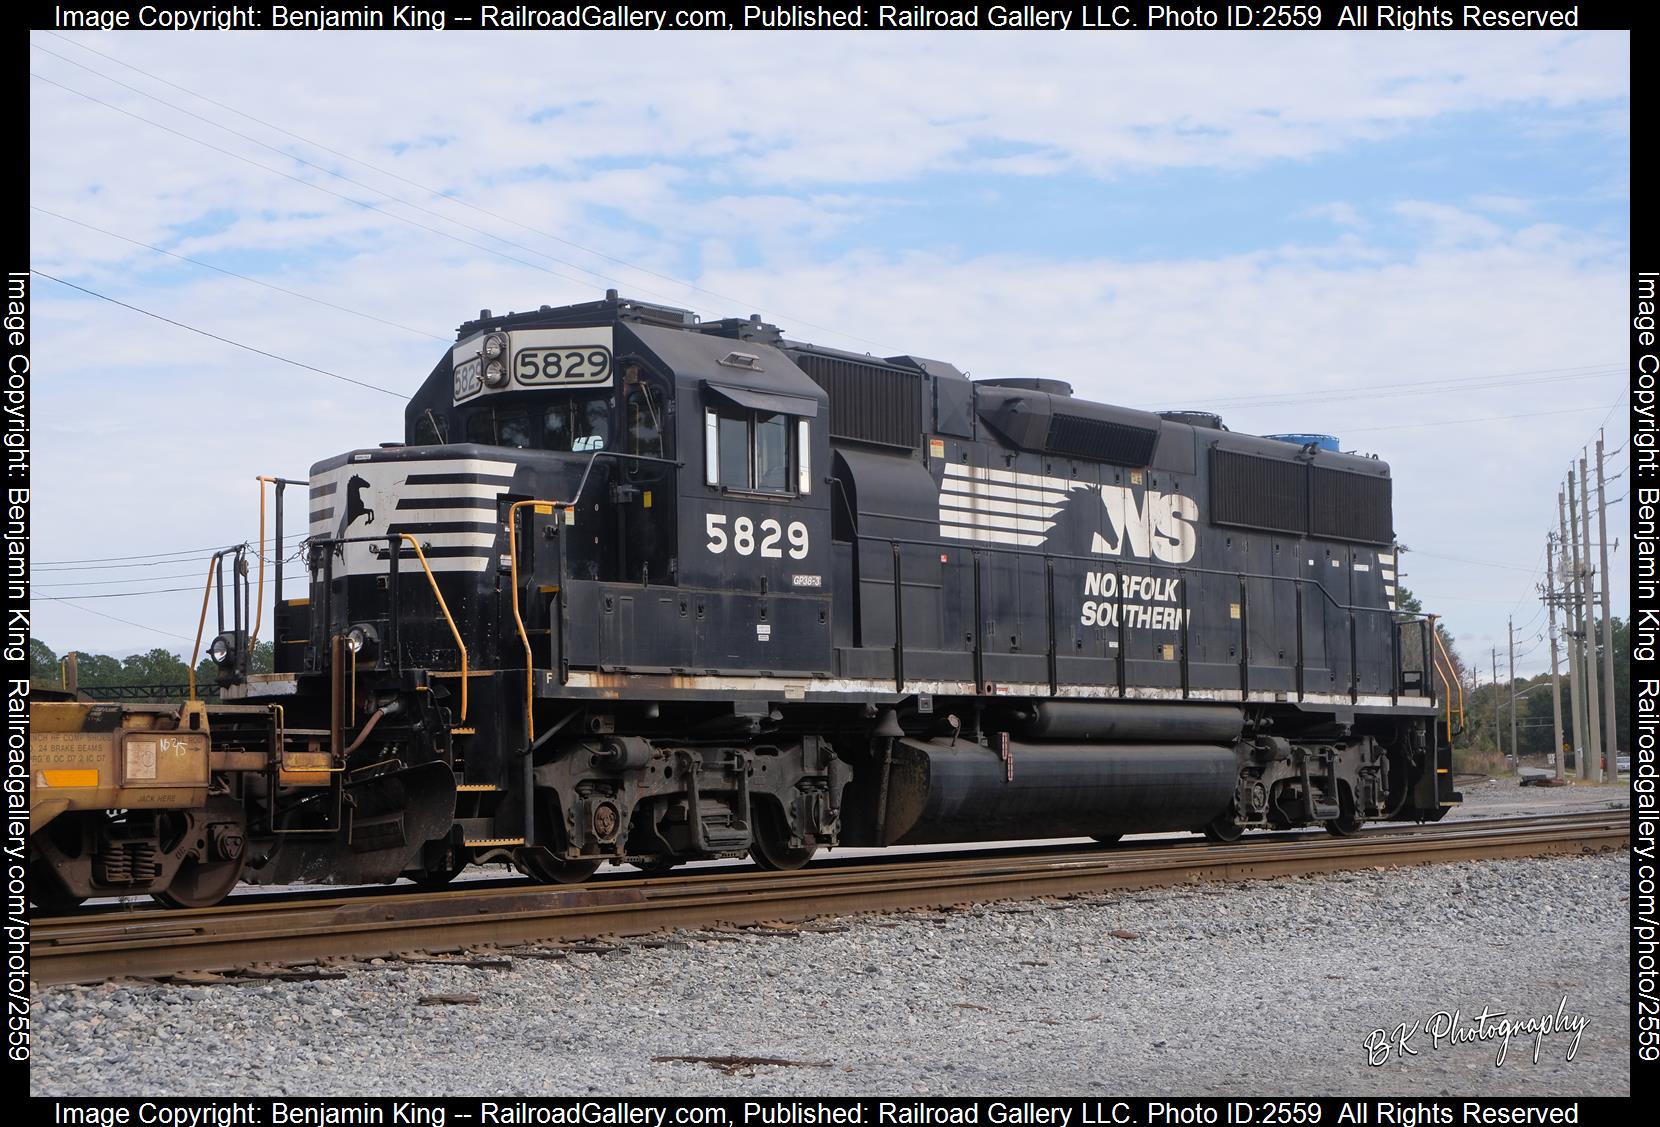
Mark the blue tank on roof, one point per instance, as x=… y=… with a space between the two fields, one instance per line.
x=1323 y=441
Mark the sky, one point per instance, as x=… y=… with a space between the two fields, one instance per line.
x=1418 y=243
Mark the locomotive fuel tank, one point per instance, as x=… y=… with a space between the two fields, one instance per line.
x=1113 y=720
x=925 y=791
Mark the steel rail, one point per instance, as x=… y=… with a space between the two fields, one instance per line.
x=256 y=897
x=155 y=943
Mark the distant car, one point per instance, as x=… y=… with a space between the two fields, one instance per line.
x=1623 y=764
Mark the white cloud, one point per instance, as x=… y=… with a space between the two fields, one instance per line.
x=1339 y=214
x=1447 y=224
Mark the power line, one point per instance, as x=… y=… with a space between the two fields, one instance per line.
x=55 y=564
x=179 y=561
x=224 y=340
x=109 y=582
x=385 y=195
x=1430 y=600
x=1438 y=385
x=124 y=621
x=1538 y=609
x=431 y=191
x=243 y=277
x=116 y=594
x=369 y=205
x=1479 y=563
x=1294 y=398
x=314 y=187
x=1479 y=419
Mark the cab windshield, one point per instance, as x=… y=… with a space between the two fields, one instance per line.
x=565 y=423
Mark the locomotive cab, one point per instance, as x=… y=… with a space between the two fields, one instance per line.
x=597 y=502
x=686 y=464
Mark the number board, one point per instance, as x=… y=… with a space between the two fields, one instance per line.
x=536 y=358
x=561 y=357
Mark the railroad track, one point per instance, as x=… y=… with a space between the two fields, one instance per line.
x=257 y=931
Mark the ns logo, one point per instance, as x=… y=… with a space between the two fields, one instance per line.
x=1158 y=526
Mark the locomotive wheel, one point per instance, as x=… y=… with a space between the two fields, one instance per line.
x=437 y=878
x=1223 y=829
x=542 y=864
x=200 y=884
x=767 y=846
x=1346 y=824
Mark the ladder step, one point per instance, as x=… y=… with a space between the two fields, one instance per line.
x=457 y=673
x=476 y=788
x=493 y=841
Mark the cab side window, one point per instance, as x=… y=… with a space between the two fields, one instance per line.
x=772 y=453
x=431 y=430
x=756 y=451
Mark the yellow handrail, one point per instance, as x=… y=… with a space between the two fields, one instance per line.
x=518 y=619
x=439 y=595
x=1447 y=702
x=1452 y=671
x=259 y=600
x=196 y=650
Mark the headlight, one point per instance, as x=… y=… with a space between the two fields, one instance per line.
x=495 y=346
x=363 y=638
x=495 y=374
x=219 y=650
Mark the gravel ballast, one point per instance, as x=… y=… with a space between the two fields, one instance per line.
x=1265 y=987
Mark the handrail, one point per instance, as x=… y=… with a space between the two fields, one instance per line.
x=1452 y=670
x=444 y=607
x=201 y=622
x=598 y=454
x=1181 y=569
x=1395 y=617
x=259 y=598
x=518 y=618
x=1446 y=680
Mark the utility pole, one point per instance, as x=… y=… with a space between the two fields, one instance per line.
x=1611 y=738
x=1555 y=681
x=1515 y=747
x=1570 y=626
x=1593 y=729
x=1498 y=737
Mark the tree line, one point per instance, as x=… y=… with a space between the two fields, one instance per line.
x=1535 y=724
x=94 y=671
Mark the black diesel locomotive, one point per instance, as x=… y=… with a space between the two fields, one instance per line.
x=641 y=589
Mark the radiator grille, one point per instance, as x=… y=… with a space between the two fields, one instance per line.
x=1294 y=497
x=1257 y=492
x=868 y=403
x=1351 y=506
x=1100 y=440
